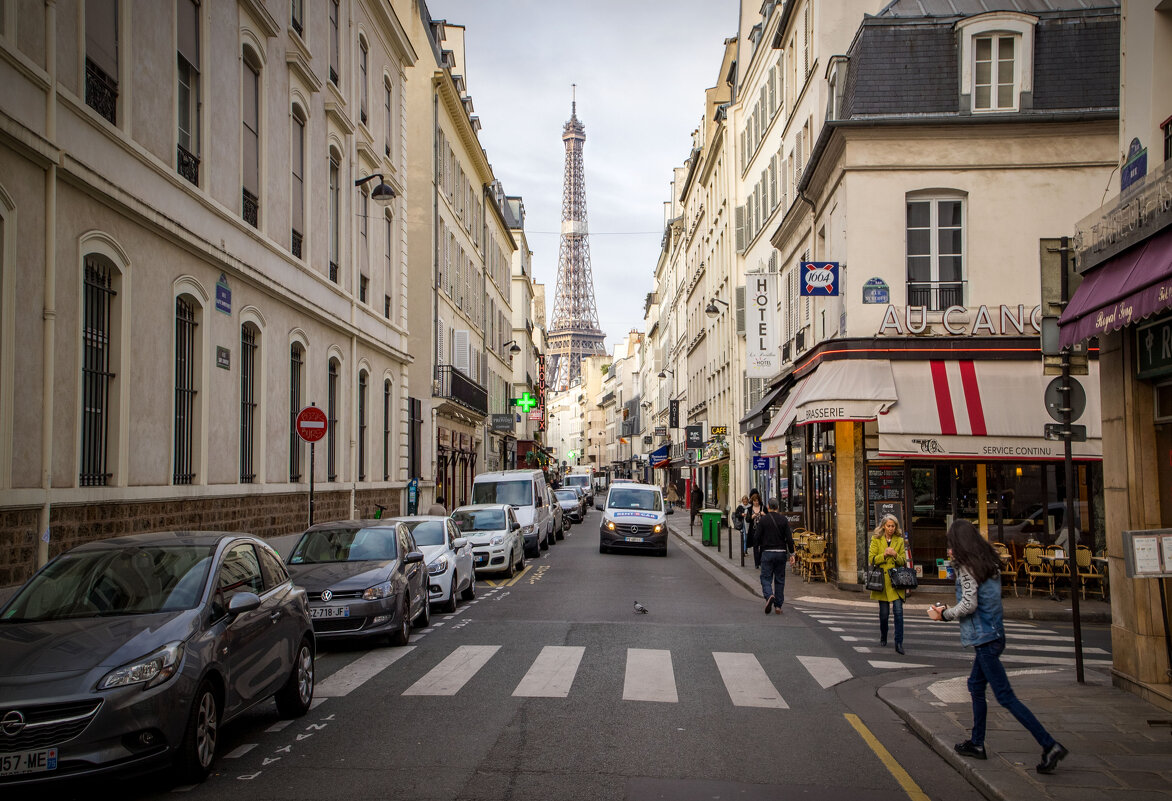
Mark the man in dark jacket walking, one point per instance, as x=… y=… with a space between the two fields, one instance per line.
x=697 y=500
x=776 y=544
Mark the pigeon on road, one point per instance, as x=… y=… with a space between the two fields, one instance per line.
x=640 y=609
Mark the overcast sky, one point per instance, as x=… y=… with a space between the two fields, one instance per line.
x=641 y=67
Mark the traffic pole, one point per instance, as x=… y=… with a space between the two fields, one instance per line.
x=311 y=446
x=1068 y=463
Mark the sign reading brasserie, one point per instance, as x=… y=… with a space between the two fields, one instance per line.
x=955 y=321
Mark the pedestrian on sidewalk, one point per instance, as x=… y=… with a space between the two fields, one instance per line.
x=438 y=507
x=756 y=512
x=978 y=609
x=697 y=500
x=741 y=521
x=776 y=544
x=672 y=496
x=888 y=550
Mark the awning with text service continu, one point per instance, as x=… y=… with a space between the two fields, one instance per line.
x=1124 y=290
x=859 y=389
x=982 y=410
x=660 y=457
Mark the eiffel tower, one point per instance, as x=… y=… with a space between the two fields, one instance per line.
x=574 y=331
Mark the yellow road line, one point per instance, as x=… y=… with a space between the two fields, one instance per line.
x=894 y=768
x=519 y=576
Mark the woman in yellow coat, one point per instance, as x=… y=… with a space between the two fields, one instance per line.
x=888 y=550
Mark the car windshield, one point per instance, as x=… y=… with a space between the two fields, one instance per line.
x=345 y=545
x=567 y=495
x=578 y=481
x=479 y=519
x=428 y=532
x=137 y=580
x=516 y=493
x=623 y=498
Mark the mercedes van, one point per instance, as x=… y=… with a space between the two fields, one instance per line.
x=633 y=519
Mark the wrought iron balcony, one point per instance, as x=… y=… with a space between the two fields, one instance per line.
x=453 y=385
x=334 y=271
x=295 y=243
x=250 y=206
x=187 y=164
x=936 y=295
x=101 y=92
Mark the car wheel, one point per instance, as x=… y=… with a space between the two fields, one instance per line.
x=449 y=605
x=198 y=749
x=423 y=619
x=521 y=563
x=544 y=544
x=294 y=698
x=511 y=570
x=469 y=592
x=403 y=634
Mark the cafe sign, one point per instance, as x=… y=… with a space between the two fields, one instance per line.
x=1130 y=218
x=962 y=321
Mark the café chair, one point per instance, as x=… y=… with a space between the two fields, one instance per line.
x=1088 y=571
x=1034 y=567
x=816 y=559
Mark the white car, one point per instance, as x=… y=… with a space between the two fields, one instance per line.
x=448 y=555
x=495 y=534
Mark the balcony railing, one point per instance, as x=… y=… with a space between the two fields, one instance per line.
x=936 y=295
x=101 y=92
x=295 y=242
x=250 y=205
x=187 y=164
x=453 y=385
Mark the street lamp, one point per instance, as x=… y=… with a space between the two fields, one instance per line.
x=663 y=373
x=711 y=310
x=513 y=346
x=383 y=194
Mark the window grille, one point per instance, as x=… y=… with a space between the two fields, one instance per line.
x=185 y=392
x=96 y=374
x=332 y=430
x=387 y=430
x=247 y=403
x=296 y=362
x=362 y=382
x=414 y=437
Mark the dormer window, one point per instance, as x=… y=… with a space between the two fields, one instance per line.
x=997 y=62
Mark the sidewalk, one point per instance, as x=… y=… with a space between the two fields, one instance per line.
x=1120 y=745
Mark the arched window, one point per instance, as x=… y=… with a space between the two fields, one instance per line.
x=335 y=212
x=296 y=394
x=187 y=373
x=363 y=87
x=390 y=274
x=250 y=140
x=387 y=429
x=935 y=250
x=297 y=166
x=249 y=364
x=98 y=368
x=363 y=381
x=333 y=403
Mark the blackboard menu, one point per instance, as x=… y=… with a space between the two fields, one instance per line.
x=884 y=492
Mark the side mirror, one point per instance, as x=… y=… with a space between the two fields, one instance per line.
x=414 y=557
x=459 y=543
x=243 y=602
x=515 y=527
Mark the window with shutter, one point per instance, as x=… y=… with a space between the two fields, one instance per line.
x=461 y=357
x=740 y=223
x=439 y=344
x=740 y=310
x=773 y=196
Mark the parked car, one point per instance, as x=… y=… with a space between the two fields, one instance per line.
x=448 y=555
x=495 y=536
x=572 y=503
x=581 y=480
x=522 y=489
x=561 y=523
x=134 y=651
x=581 y=494
x=634 y=519
x=365 y=578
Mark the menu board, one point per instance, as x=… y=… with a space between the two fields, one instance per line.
x=1148 y=554
x=885 y=492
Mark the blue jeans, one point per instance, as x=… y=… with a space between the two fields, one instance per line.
x=744 y=536
x=884 y=611
x=773 y=575
x=987 y=670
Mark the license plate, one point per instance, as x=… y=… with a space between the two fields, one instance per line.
x=28 y=762
x=329 y=611
x=482 y=560
x=633 y=539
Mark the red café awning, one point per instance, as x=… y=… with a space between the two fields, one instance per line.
x=1127 y=288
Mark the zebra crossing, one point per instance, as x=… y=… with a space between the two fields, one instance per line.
x=649 y=675
x=1026 y=643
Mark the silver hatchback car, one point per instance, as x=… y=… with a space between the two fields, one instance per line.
x=132 y=652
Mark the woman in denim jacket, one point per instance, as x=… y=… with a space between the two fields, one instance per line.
x=888 y=549
x=978 y=609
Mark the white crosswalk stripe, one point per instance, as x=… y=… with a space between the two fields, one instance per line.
x=746 y=681
x=552 y=672
x=346 y=679
x=454 y=672
x=826 y=670
x=649 y=676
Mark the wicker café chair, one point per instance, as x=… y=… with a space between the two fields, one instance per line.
x=1088 y=571
x=816 y=559
x=1008 y=565
x=1035 y=568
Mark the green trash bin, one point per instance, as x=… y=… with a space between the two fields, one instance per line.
x=711 y=529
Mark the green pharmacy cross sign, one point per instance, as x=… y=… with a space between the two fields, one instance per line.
x=526 y=402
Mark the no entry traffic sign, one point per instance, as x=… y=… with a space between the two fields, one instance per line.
x=311 y=424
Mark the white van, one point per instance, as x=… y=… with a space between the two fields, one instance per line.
x=634 y=518
x=581 y=480
x=526 y=491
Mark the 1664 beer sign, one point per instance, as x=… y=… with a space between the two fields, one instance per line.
x=819 y=279
x=761 y=326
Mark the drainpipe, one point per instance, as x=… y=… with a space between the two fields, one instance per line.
x=48 y=360
x=436 y=160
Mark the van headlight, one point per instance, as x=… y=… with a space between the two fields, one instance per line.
x=610 y=525
x=658 y=528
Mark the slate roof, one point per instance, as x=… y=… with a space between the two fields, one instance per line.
x=907 y=65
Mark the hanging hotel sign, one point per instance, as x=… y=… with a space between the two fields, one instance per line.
x=762 y=334
x=540 y=393
x=961 y=321
x=819 y=279
x=501 y=422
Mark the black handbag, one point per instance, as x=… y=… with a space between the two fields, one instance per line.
x=903 y=578
x=874 y=579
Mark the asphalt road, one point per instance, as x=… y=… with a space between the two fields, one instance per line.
x=550 y=686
